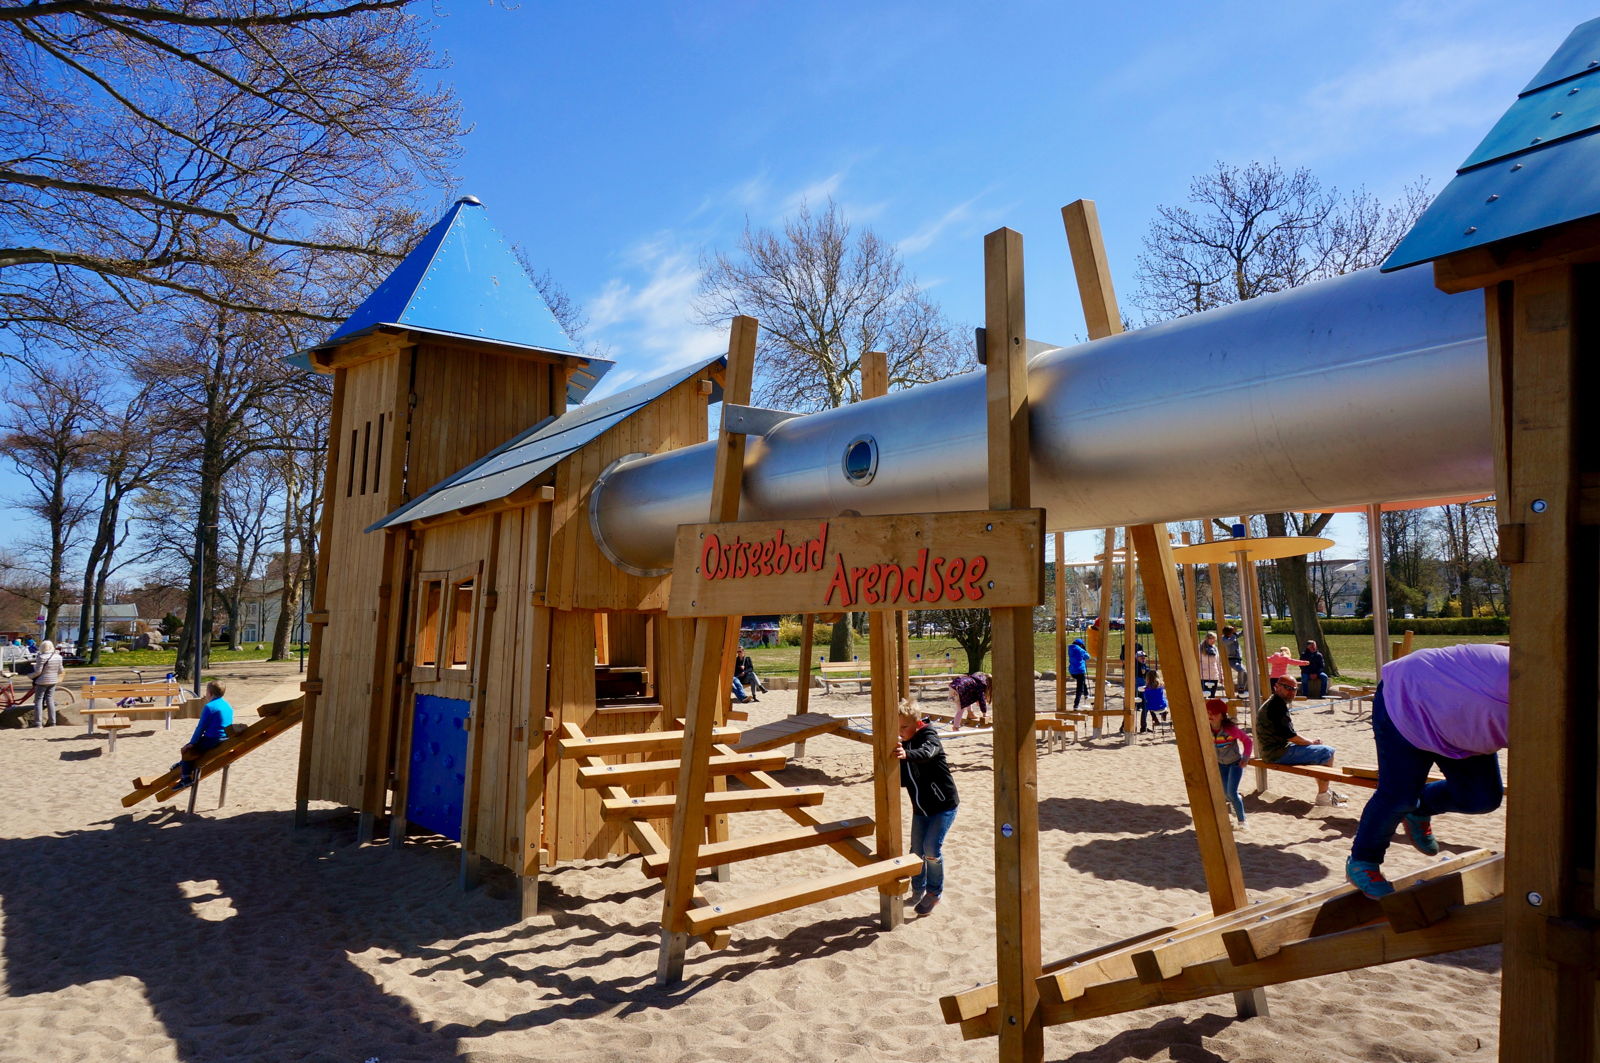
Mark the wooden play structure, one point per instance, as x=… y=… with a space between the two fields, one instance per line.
x=503 y=655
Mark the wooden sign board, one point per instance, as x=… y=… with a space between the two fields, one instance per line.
x=971 y=560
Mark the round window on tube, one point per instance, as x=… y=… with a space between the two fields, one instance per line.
x=860 y=462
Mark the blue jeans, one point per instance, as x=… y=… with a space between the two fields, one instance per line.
x=1306 y=755
x=927 y=841
x=1231 y=773
x=1471 y=785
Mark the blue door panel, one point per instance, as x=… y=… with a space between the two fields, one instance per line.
x=438 y=778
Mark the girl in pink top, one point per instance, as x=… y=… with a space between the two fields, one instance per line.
x=1233 y=748
x=1278 y=664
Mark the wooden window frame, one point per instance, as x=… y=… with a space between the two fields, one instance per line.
x=428 y=632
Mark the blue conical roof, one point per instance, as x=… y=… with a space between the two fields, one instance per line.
x=462 y=279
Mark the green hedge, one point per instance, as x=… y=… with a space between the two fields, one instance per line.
x=1427 y=625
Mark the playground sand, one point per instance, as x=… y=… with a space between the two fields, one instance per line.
x=139 y=935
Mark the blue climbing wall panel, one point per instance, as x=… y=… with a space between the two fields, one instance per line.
x=438 y=765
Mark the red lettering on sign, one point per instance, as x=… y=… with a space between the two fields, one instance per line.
x=975 y=570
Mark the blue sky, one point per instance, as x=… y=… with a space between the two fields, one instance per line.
x=620 y=143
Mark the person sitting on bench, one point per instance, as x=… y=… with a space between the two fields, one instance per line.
x=1447 y=706
x=1280 y=744
x=212 y=730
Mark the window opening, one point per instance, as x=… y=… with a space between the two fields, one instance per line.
x=350 y=473
x=461 y=623
x=377 y=456
x=428 y=623
x=366 y=452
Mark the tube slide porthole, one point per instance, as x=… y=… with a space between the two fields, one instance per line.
x=860 y=463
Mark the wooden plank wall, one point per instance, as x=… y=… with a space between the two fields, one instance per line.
x=367 y=393
x=580 y=575
x=468 y=403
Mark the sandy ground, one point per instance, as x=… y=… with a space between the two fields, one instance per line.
x=146 y=935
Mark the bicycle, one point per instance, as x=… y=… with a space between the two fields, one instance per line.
x=138 y=701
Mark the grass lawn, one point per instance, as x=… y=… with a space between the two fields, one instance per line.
x=1352 y=653
x=168 y=659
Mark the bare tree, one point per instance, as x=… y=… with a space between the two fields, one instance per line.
x=244 y=530
x=48 y=437
x=1254 y=230
x=129 y=452
x=825 y=296
x=147 y=149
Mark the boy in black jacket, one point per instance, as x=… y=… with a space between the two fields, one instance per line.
x=925 y=774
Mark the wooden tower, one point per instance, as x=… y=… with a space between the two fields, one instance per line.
x=452 y=355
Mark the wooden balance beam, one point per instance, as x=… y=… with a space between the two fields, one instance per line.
x=1452 y=904
x=277 y=717
x=788 y=731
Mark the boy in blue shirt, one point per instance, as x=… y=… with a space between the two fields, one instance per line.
x=212 y=730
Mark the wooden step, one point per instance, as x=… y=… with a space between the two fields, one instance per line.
x=786 y=841
x=654 y=771
x=811 y=891
x=787 y=731
x=716 y=803
x=577 y=744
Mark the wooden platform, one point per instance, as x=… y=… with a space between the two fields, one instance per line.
x=789 y=730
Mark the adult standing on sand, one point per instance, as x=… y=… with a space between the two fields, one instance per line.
x=47 y=672
x=925 y=773
x=1446 y=706
x=1078 y=669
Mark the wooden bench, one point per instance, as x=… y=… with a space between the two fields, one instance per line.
x=1364 y=775
x=833 y=668
x=114 y=692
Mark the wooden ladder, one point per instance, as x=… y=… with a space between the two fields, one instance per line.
x=706 y=919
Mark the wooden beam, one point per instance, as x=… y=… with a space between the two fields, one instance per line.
x=798 y=895
x=707 y=689
x=732 y=801
x=1016 y=783
x=1061 y=622
x=1544 y=347
x=883 y=647
x=578 y=744
x=654 y=771
x=802 y=697
x=784 y=841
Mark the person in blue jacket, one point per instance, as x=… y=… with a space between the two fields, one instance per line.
x=212 y=730
x=1078 y=669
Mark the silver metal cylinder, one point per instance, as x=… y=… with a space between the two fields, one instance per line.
x=1365 y=388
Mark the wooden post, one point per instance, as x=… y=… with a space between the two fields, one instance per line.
x=1378 y=580
x=1219 y=613
x=802 y=698
x=1103 y=624
x=706 y=688
x=1130 y=639
x=1541 y=344
x=1061 y=622
x=884 y=647
x=1016 y=786
x=1152 y=547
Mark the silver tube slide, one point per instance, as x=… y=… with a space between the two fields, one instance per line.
x=1365 y=388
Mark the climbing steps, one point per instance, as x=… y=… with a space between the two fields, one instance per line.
x=761 y=792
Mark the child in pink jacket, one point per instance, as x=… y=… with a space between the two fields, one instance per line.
x=1228 y=738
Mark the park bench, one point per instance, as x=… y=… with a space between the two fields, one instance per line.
x=1364 y=775
x=164 y=692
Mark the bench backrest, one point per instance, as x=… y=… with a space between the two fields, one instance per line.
x=132 y=690
x=847 y=666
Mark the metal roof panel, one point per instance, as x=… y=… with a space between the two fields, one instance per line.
x=1580 y=52
x=1550 y=114
x=528 y=456
x=1547 y=186
x=462 y=278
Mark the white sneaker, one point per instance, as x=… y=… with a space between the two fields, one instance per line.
x=1241 y=825
x=1339 y=798
x=1324 y=799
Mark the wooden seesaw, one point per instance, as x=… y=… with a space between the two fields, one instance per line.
x=1454 y=904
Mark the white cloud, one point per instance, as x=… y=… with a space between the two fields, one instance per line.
x=645 y=316
x=924 y=237
x=1415 y=88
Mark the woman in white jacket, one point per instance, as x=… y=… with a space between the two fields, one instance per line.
x=47 y=672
